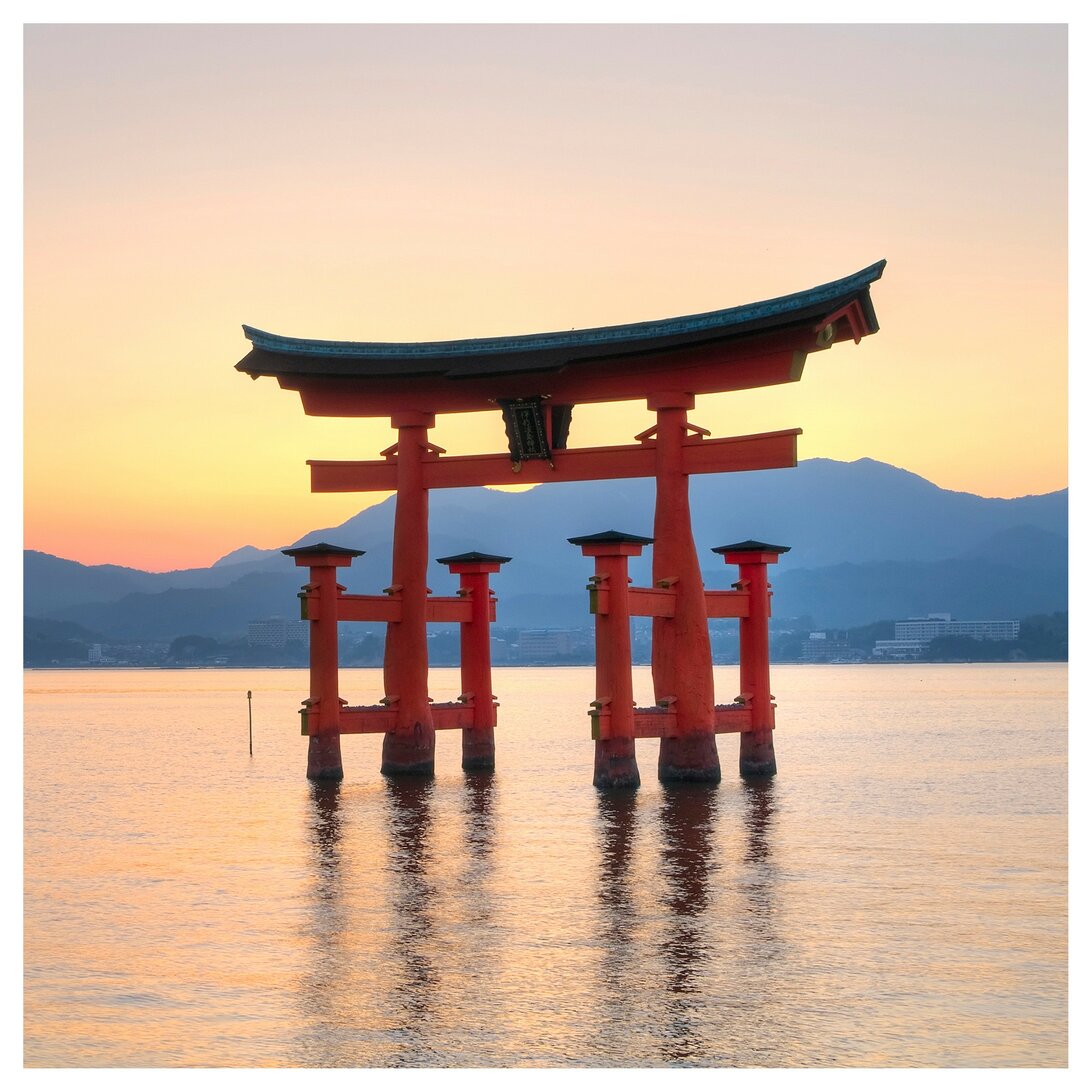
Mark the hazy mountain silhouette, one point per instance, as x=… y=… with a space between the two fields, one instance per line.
x=869 y=541
x=223 y=612
x=973 y=588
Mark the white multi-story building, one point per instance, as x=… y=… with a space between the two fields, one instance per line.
x=912 y=635
x=944 y=625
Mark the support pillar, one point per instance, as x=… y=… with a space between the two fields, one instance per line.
x=756 y=754
x=615 y=757
x=682 y=656
x=320 y=608
x=477 y=742
x=410 y=748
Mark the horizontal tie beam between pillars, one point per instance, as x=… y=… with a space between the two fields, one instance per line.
x=387 y=609
x=739 y=453
x=659 y=603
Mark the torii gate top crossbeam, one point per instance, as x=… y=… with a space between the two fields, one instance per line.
x=757 y=344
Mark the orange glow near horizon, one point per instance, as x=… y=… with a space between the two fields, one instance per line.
x=431 y=182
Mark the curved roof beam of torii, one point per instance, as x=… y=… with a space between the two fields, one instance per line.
x=848 y=298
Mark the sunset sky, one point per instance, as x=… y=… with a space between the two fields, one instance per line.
x=404 y=183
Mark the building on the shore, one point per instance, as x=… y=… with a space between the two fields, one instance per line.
x=911 y=636
x=898 y=650
x=825 y=647
x=275 y=632
x=547 y=645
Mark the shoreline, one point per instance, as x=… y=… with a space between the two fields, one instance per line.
x=539 y=667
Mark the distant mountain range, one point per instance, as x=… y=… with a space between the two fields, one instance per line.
x=869 y=541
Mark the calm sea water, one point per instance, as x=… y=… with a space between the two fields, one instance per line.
x=895 y=897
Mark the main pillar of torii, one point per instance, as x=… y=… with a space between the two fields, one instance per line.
x=535 y=380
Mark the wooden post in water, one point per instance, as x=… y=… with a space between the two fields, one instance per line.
x=477 y=741
x=615 y=756
x=321 y=715
x=756 y=754
x=410 y=747
x=682 y=654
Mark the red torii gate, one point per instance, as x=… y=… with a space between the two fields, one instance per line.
x=536 y=380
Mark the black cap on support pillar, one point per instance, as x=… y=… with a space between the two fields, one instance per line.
x=474 y=562
x=610 y=542
x=751 y=551
x=322 y=555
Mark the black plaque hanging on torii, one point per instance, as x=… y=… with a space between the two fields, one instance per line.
x=526 y=429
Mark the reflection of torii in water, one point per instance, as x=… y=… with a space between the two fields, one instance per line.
x=535 y=380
